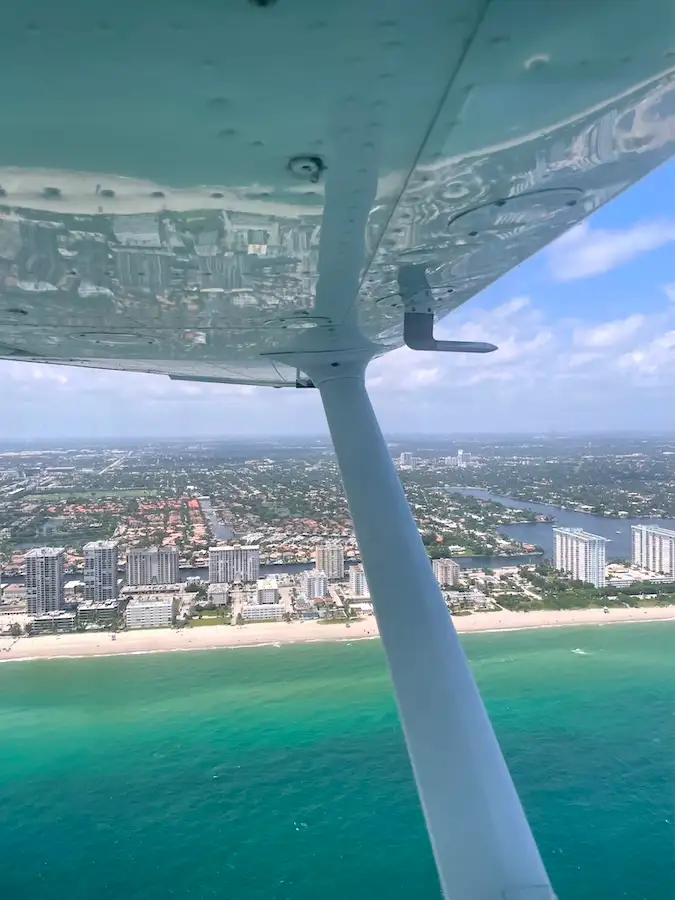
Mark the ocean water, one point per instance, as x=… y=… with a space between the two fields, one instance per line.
x=280 y=773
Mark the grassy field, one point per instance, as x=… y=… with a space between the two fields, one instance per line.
x=64 y=496
x=209 y=620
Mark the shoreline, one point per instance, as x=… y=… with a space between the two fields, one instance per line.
x=217 y=637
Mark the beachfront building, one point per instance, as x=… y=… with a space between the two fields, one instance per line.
x=56 y=622
x=314 y=584
x=44 y=580
x=267 y=590
x=217 y=594
x=580 y=555
x=100 y=571
x=101 y=614
x=260 y=612
x=446 y=571
x=329 y=558
x=73 y=590
x=472 y=600
x=358 y=586
x=158 y=611
x=228 y=563
x=653 y=549
x=152 y=565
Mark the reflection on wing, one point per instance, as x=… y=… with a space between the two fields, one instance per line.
x=242 y=181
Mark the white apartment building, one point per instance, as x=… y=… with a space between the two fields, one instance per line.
x=329 y=558
x=267 y=590
x=101 y=613
x=257 y=612
x=358 y=586
x=314 y=584
x=152 y=565
x=653 y=549
x=44 y=580
x=157 y=612
x=100 y=571
x=472 y=599
x=228 y=564
x=446 y=571
x=218 y=594
x=56 y=621
x=580 y=555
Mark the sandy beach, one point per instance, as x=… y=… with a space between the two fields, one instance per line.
x=258 y=634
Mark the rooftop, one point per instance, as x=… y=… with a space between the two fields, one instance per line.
x=102 y=604
x=655 y=529
x=167 y=549
x=129 y=589
x=269 y=583
x=100 y=545
x=154 y=600
x=580 y=534
x=44 y=552
x=234 y=547
x=56 y=614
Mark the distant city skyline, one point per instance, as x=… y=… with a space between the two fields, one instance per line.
x=394 y=439
x=585 y=335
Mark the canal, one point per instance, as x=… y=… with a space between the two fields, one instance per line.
x=616 y=530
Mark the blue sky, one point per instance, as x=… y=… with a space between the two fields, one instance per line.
x=586 y=333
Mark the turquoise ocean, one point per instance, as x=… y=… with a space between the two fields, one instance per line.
x=280 y=772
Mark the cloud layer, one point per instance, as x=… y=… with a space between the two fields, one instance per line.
x=585 y=251
x=549 y=373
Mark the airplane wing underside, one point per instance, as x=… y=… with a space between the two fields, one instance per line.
x=187 y=187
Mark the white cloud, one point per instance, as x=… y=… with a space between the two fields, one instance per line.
x=653 y=359
x=609 y=334
x=555 y=364
x=585 y=251
x=548 y=372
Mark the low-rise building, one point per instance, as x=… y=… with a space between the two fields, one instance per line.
x=133 y=591
x=58 y=621
x=158 y=611
x=257 y=612
x=72 y=590
x=218 y=594
x=472 y=600
x=103 y=614
x=14 y=594
x=364 y=608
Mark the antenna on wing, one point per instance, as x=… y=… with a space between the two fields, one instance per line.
x=418 y=318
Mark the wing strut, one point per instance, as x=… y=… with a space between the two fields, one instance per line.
x=482 y=843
